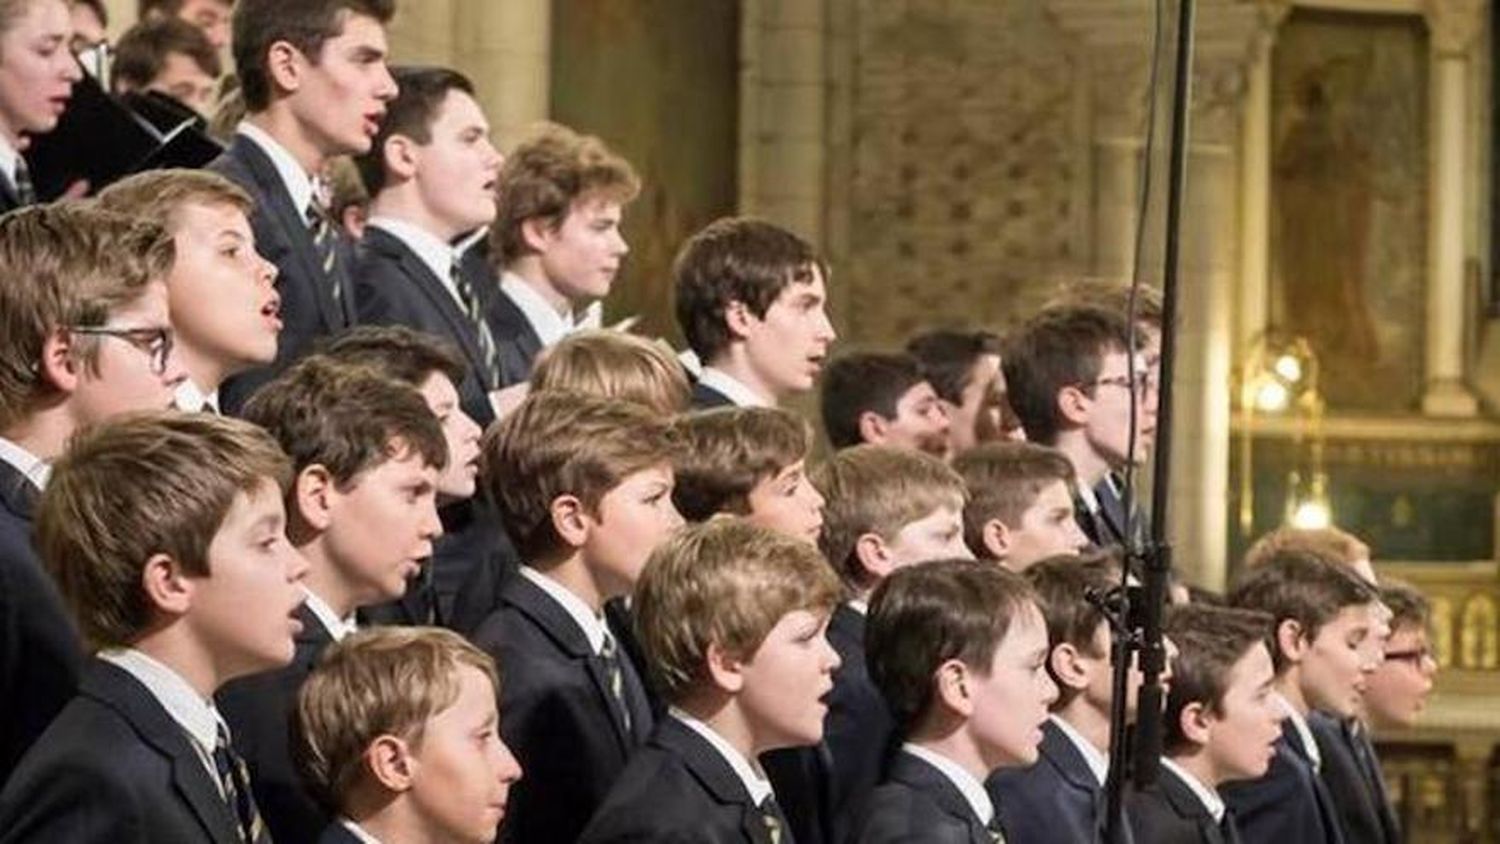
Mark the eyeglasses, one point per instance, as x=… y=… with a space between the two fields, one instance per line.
x=1141 y=382
x=1416 y=656
x=156 y=342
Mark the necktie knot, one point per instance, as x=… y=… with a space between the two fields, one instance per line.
x=770 y=817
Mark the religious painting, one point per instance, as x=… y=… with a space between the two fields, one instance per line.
x=1349 y=202
x=659 y=81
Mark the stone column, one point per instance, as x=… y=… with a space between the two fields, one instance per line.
x=1454 y=25
x=505 y=47
x=783 y=99
x=1255 y=195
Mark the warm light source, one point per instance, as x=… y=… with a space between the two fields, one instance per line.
x=1311 y=515
x=1279 y=377
x=1271 y=396
x=1289 y=368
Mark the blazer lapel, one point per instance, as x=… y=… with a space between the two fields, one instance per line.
x=925 y=779
x=1186 y=804
x=713 y=772
x=294 y=226
x=117 y=689
x=434 y=288
x=17 y=494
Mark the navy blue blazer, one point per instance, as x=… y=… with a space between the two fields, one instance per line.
x=259 y=710
x=114 y=768
x=859 y=730
x=1170 y=813
x=1290 y=804
x=1058 y=799
x=1355 y=784
x=918 y=803
x=516 y=342
x=557 y=714
x=706 y=398
x=337 y=833
x=40 y=650
x=308 y=308
x=393 y=286
x=677 y=788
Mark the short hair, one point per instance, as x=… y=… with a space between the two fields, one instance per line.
x=421 y=94
x=397 y=351
x=1063 y=584
x=95 y=6
x=1301 y=586
x=1408 y=606
x=1057 y=348
x=947 y=358
x=347 y=186
x=1112 y=296
x=864 y=382
x=560 y=443
x=878 y=489
x=345 y=418
x=725 y=582
x=165 y=7
x=304 y=24
x=1209 y=640
x=383 y=681
x=161 y=194
x=1331 y=544
x=617 y=365
x=545 y=175
x=228 y=110
x=1004 y=480
x=66 y=264
x=924 y=615
x=140 y=485
x=141 y=53
x=726 y=451
x=735 y=259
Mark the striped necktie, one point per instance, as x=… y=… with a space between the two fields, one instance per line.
x=489 y=351
x=25 y=188
x=235 y=781
x=325 y=246
x=609 y=654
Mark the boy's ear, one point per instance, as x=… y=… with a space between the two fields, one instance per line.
x=313 y=491
x=952 y=688
x=874 y=556
x=737 y=317
x=1068 y=666
x=59 y=366
x=569 y=520
x=1292 y=640
x=399 y=155
x=726 y=671
x=390 y=762
x=537 y=233
x=996 y=538
x=1193 y=721
x=1073 y=404
x=873 y=427
x=285 y=65
x=167 y=589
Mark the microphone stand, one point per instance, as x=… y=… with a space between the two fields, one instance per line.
x=1135 y=613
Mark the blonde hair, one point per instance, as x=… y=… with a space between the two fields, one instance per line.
x=615 y=365
x=725 y=582
x=726 y=451
x=160 y=194
x=141 y=485
x=66 y=264
x=385 y=681
x=1330 y=544
x=560 y=443
x=878 y=489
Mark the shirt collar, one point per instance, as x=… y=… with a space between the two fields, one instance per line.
x=860 y=606
x=1304 y=733
x=35 y=469
x=732 y=388
x=358 y=832
x=972 y=790
x=298 y=182
x=1087 y=496
x=587 y=620
x=190 y=710
x=1098 y=763
x=434 y=252
x=1209 y=797
x=337 y=627
x=9 y=157
x=549 y=325
x=755 y=785
x=190 y=398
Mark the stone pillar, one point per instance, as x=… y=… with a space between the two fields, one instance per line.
x=1454 y=25
x=1255 y=195
x=782 y=113
x=422 y=35
x=1117 y=197
x=505 y=47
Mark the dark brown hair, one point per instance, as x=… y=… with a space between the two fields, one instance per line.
x=403 y=353
x=1061 y=347
x=141 y=53
x=1004 y=480
x=1062 y=584
x=421 y=94
x=735 y=259
x=924 y=615
x=863 y=382
x=1210 y=641
x=305 y=24
x=1300 y=586
x=726 y=451
x=1408 y=606
x=947 y=358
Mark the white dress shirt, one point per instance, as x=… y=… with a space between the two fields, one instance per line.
x=195 y=714
x=437 y=255
x=337 y=627
x=972 y=789
x=755 y=785
x=587 y=620
x=1098 y=762
x=33 y=468
x=1299 y=724
x=549 y=324
x=190 y=398
x=1209 y=797
x=732 y=388
x=298 y=182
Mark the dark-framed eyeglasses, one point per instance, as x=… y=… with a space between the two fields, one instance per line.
x=1141 y=383
x=156 y=342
